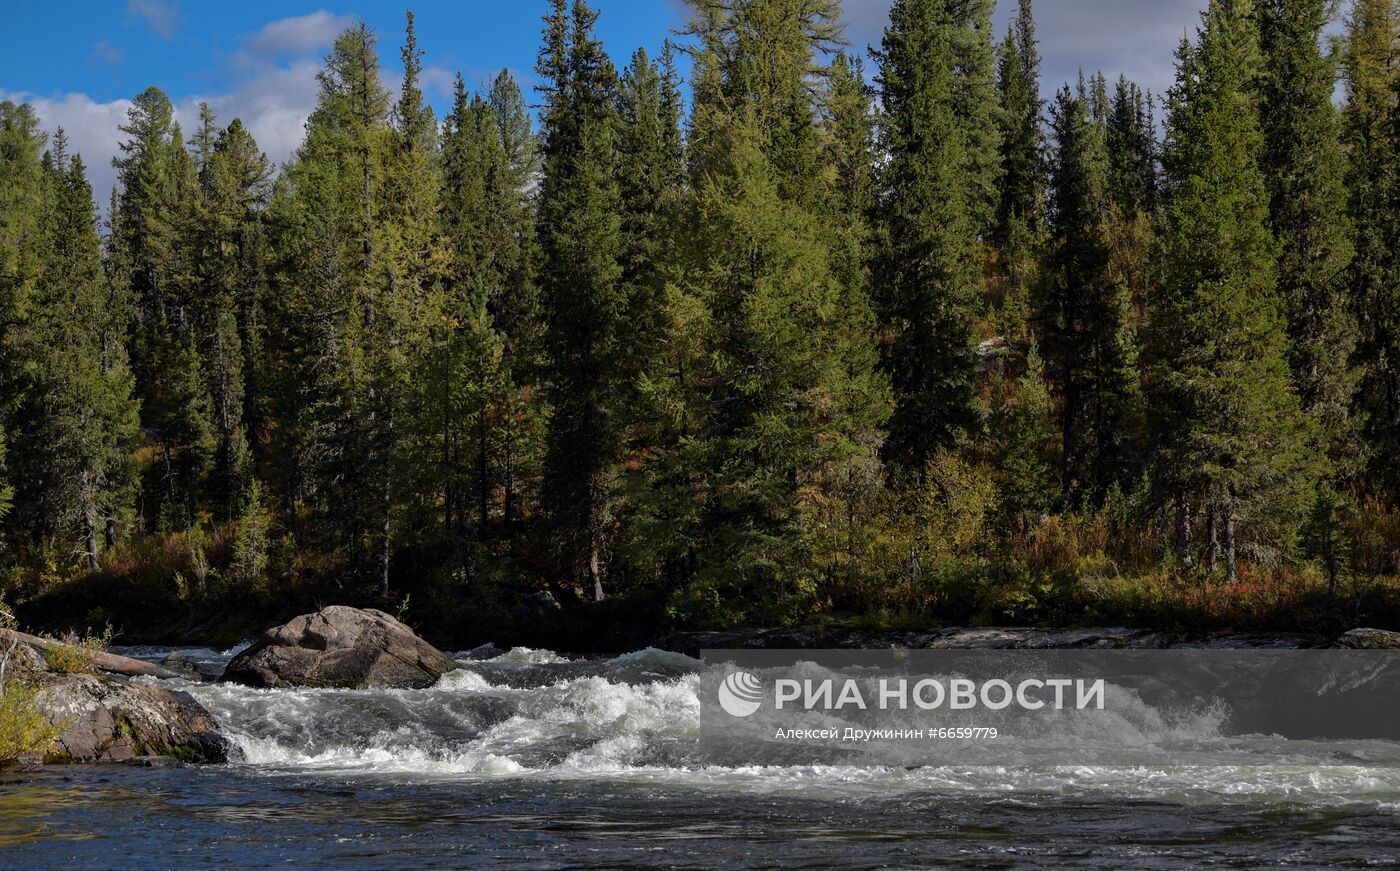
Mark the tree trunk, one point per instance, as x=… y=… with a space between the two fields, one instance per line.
x=90 y=537
x=1212 y=539
x=1183 y=531
x=595 y=568
x=1229 y=545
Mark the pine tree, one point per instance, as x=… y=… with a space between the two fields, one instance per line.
x=1231 y=436
x=585 y=299
x=926 y=274
x=1370 y=130
x=1084 y=308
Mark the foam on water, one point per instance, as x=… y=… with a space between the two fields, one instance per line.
x=535 y=714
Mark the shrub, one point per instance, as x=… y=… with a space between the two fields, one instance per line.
x=74 y=655
x=24 y=727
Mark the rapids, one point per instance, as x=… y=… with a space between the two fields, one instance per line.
x=529 y=757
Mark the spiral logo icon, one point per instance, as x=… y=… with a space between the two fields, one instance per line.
x=740 y=694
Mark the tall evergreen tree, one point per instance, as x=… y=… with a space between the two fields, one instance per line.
x=776 y=401
x=1084 y=308
x=1132 y=148
x=1303 y=167
x=977 y=107
x=1230 y=435
x=926 y=270
x=1305 y=175
x=153 y=260
x=585 y=297
x=1370 y=133
x=331 y=290
x=1022 y=142
x=235 y=184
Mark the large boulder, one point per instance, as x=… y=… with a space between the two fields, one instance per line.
x=340 y=646
x=1369 y=639
x=110 y=720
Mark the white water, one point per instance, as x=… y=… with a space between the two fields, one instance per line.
x=535 y=715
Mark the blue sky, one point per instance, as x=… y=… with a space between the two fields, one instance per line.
x=80 y=61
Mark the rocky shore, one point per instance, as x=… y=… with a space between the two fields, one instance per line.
x=1013 y=638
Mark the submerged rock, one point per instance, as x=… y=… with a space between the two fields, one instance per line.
x=1369 y=639
x=340 y=646
x=108 y=720
x=183 y=665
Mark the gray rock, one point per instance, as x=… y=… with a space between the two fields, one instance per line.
x=109 y=720
x=340 y=646
x=1049 y=639
x=1369 y=639
x=178 y=662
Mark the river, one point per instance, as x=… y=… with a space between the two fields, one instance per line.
x=528 y=759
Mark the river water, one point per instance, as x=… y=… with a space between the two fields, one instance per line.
x=528 y=759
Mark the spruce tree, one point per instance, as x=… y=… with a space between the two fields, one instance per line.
x=72 y=422
x=584 y=295
x=1303 y=167
x=330 y=292
x=1084 y=307
x=1370 y=129
x=153 y=257
x=1132 y=149
x=977 y=106
x=778 y=405
x=235 y=185
x=926 y=270
x=1231 y=436
x=1304 y=172
x=1022 y=142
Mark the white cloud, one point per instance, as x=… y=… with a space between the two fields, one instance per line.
x=163 y=17
x=91 y=128
x=273 y=104
x=299 y=35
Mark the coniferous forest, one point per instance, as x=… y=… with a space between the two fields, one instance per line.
x=816 y=334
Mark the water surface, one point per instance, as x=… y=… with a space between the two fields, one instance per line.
x=528 y=759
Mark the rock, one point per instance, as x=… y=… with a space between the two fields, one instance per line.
x=182 y=665
x=536 y=606
x=23 y=657
x=1369 y=639
x=1253 y=641
x=109 y=720
x=340 y=646
x=1049 y=639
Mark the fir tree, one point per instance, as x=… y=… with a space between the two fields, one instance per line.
x=1231 y=436
x=977 y=107
x=1084 y=308
x=926 y=270
x=1370 y=129
x=585 y=298
x=1304 y=171
x=1022 y=142
x=779 y=406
